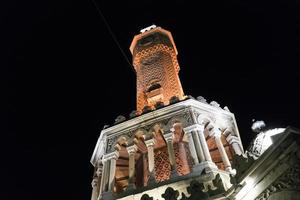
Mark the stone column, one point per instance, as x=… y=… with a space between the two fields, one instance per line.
x=169 y=139
x=150 y=147
x=104 y=177
x=112 y=158
x=217 y=135
x=99 y=176
x=203 y=154
x=192 y=146
x=235 y=143
x=131 y=151
x=200 y=131
x=95 y=188
x=198 y=146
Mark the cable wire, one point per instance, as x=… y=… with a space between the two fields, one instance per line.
x=112 y=34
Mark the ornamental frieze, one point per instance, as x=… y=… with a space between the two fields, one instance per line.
x=290 y=181
x=185 y=118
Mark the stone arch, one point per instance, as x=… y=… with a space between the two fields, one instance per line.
x=176 y=125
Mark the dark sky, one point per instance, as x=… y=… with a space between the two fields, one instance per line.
x=66 y=78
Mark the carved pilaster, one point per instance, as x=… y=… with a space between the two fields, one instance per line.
x=131 y=151
x=169 y=139
x=150 y=147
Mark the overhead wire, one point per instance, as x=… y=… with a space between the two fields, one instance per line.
x=112 y=34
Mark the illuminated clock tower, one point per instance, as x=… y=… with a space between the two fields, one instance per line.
x=174 y=146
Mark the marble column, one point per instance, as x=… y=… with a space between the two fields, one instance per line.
x=217 y=135
x=131 y=152
x=150 y=147
x=169 y=139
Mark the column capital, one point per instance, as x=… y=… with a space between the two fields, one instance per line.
x=94 y=182
x=193 y=127
x=132 y=149
x=232 y=139
x=169 y=136
x=112 y=155
x=215 y=132
x=150 y=142
x=99 y=171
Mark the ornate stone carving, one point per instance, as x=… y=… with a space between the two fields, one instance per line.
x=195 y=189
x=215 y=104
x=95 y=182
x=146 y=109
x=201 y=99
x=146 y=197
x=159 y=104
x=190 y=97
x=174 y=99
x=185 y=118
x=110 y=144
x=120 y=119
x=226 y=108
x=289 y=180
x=133 y=114
x=170 y=194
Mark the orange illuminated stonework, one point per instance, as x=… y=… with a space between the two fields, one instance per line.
x=155 y=62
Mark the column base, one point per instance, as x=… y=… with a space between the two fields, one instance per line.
x=151 y=180
x=131 y=186
x=208 y=166
x=231 y=171
x=174 y=173
x=107 y=196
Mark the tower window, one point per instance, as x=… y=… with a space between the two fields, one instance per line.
x=154 y=86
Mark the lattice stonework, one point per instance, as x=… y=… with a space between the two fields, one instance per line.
x=156 y=63
x=162 y=165
x=183 y=158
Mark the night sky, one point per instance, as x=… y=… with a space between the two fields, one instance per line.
x=66 y=78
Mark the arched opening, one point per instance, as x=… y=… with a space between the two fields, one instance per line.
x=154 y=86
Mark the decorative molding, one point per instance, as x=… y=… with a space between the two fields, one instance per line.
x=196 y=192
x=288 y=181
x=146 y=197
x=112 y=155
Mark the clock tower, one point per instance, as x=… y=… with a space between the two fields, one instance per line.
x=172 y=143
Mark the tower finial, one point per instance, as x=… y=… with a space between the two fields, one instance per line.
x=148 y=28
